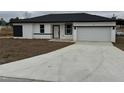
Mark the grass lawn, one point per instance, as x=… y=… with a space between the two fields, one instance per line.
x=16 y=49
x=119 y=42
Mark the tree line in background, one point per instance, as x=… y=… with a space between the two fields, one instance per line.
x=3 y=22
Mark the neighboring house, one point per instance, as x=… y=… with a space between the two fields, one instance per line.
x=120 y=25
x=71 y=26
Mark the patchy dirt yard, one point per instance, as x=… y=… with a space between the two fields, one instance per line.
x=16 y=49
x=119 y=42
x=6 y=31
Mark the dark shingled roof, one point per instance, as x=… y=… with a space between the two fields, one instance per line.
x=120 y=21
x=67 y=17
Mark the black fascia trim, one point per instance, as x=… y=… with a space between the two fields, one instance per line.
x=62 y=21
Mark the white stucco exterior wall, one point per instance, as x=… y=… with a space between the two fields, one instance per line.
x=48 y=28
x=36 y=28
x=113 y=34
x=27 y=31
x=47 y=34
x=94 y=23
x=42 y=36
x=75 y=34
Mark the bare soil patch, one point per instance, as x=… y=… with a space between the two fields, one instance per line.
x=119 y=42
x=6 y=31
x=16 y=49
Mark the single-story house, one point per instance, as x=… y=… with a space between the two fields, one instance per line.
x=70 y=26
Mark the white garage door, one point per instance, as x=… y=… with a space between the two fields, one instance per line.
x=94 y=33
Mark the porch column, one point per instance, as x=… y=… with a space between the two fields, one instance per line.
x=74 y=33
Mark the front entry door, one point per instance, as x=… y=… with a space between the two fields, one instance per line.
x=56 y=31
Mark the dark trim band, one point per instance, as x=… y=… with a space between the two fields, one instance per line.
x=42 y=33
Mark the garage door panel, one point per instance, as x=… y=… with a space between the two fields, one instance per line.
x=94 y=33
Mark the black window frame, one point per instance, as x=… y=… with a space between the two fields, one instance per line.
x=42 y=31
x=68 y=30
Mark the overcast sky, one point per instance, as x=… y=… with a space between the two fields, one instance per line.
x=22 y=14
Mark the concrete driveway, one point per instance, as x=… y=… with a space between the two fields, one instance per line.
x=83 y=61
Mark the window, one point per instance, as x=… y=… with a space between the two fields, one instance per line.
x=41 y=28
x=68 y=29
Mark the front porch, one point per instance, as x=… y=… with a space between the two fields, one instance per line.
x=62 y=32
